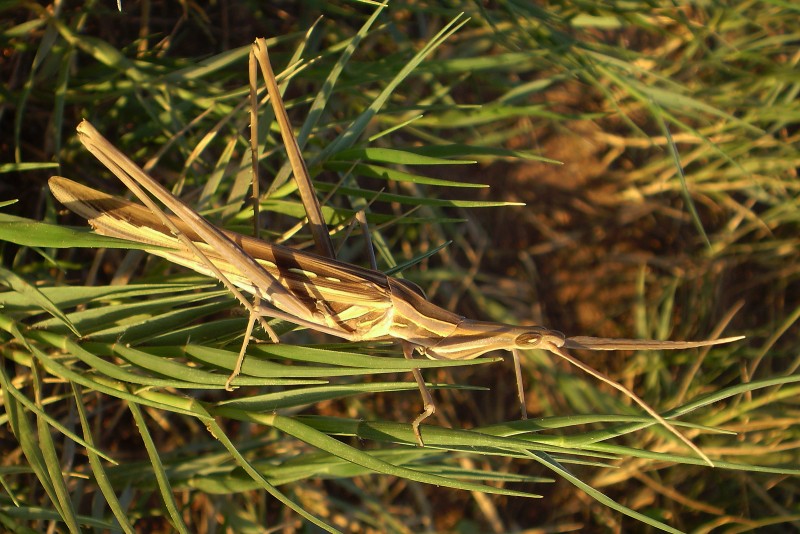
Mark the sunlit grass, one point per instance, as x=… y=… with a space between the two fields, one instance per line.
x=684 y=227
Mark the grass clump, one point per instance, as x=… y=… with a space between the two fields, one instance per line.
x=672 y=216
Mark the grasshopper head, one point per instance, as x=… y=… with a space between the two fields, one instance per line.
x=470 y=339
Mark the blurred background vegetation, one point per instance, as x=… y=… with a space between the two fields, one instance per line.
x=655 y=149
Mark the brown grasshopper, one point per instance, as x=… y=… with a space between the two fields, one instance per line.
x=318 y=291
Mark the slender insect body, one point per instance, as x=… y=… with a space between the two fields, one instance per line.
x=348 y=301
x=352 y=302
x=319 y=292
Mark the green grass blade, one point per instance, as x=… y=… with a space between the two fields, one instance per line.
x=32 y=294
x=99 y=471
x=162 y=480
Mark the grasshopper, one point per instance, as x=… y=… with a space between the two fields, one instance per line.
x=317 y=291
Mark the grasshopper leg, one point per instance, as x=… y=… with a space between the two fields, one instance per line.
x=520 y=388
x=240 y=360
x=428 y=407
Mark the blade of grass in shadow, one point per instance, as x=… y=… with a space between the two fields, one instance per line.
x=24 y=432
x=101 y=384
x=43 y=51
x=52 y=461
x=219 y=433
x=42 y=414
x=387 y=173
x=31 y=293
x=598 y=496
x=684 y=187
x=162 y=480
x=95 y=462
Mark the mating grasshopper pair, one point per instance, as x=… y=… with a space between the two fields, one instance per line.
x=312 y=290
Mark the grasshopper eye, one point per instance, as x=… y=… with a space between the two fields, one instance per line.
x=528 y=339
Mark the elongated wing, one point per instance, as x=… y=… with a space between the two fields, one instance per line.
x=343 y=299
